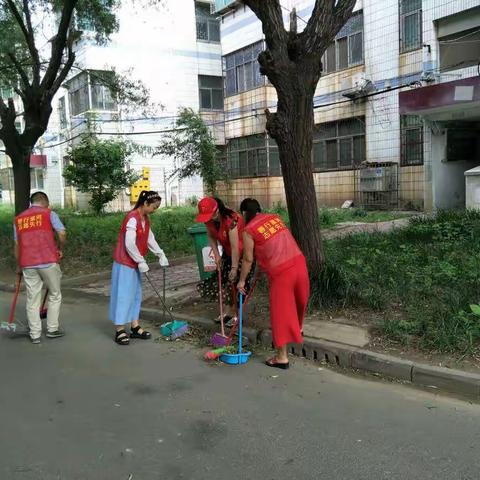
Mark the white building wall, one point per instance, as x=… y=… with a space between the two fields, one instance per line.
x=157 y=45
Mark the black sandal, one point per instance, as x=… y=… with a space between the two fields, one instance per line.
x=122 y=338
x=272 y=362
x=143 y=336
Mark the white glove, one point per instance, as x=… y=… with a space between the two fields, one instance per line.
x=143 y=267
x=163 y=260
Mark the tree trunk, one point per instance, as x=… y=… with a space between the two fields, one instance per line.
x=22 y=180
x=20 y=157
x=292 y=128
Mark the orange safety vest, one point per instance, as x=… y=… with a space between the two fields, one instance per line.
x=120 y=254
x=35 y=237
x=275 y=247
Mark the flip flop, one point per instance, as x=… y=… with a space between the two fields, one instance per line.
x=272 y=362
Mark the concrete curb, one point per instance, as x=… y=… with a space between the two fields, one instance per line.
x=447 y=380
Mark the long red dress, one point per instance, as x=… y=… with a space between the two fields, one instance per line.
x=278 y=254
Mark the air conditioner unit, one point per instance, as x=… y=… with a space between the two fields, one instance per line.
x=376 y=179
x=357 y=86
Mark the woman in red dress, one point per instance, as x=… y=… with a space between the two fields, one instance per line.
x=268 y=241
x=224 y=228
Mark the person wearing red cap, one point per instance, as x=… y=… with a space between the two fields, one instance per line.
x=225 y=228
x=266 y=238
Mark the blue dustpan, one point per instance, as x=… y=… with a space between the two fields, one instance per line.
x=241 y=357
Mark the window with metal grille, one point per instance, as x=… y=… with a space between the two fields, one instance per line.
x=242 y=70
x=339 y=145
x=62 y=113
x=247 y=157
x=36 y=178
x=210 y=92
x=208 y=26
x=410 y=25
x=411 y=132
x=347 y=49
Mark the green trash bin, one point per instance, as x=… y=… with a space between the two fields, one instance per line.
x=203 y=251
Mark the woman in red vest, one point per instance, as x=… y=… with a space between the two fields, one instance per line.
x=134 y=240
x=225 y=228
x=268 y=240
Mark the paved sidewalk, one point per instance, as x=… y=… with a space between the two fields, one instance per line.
x=179 y=279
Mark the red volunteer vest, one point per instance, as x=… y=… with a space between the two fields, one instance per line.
x=120 y=254
x=275 y=247
x=221 y=235
x=35 y=237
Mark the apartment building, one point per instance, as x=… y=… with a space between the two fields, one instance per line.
x=375 y=140
x=174 y=49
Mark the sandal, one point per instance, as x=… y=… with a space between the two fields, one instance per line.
x=272 y=362
x=226 y=319
x=144 y=335
x=231 y=322
x=122 y=338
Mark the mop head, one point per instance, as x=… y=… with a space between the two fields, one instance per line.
x=174 y=330
x=9 y=327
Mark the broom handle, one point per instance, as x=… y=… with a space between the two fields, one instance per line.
x=15 y=298
x=240 y=322
x=159 y=296
x=44 y=299
x=245 y=303
x=164 y=291
x=220 y=300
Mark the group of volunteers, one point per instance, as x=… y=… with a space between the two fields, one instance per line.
x=245 y=238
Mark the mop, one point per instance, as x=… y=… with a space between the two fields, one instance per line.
x=175 y=328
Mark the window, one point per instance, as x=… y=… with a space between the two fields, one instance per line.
x=62 y=113
x=339 y=145
x=102 y=98
x=211 y=92
x=6 y=92
x=36 y=178
x=347 y=49
x=100 y=95
x=208 y=27
x=410 y=25
x=242 y=70
x=78 y=94
x=411 y=149
x=247 y=157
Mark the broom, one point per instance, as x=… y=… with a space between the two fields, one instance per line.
x=10 y=326
x=216 y=353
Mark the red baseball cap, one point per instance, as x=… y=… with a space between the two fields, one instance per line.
x=206 y=208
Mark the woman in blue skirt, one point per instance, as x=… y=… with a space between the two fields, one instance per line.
x=134 y=240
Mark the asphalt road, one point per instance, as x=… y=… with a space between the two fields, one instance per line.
x=84 y=408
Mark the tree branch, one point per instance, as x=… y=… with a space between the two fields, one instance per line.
x=270 y=14
x=31 y=44
x=28 y=33
x=326 y=21
x=20 y=70
x=58 y=45
x=65 y=70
